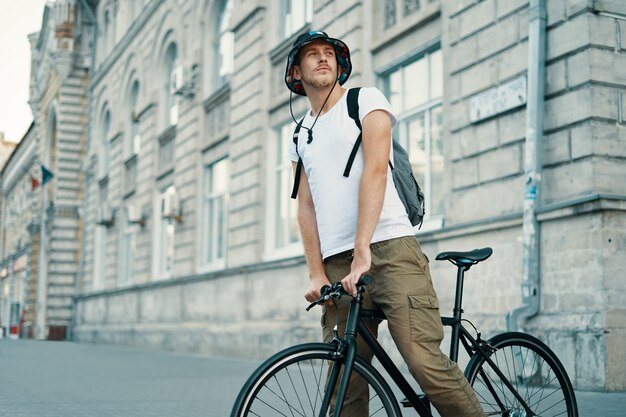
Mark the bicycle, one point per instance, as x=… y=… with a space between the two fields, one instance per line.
x=514 y=374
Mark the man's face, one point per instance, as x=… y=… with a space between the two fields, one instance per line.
x=318 y=65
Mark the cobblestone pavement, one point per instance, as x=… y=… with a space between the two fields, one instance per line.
x=64 y=379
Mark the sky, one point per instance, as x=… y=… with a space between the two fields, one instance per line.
x=17 y=20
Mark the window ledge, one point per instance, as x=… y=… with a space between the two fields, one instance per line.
x=291 y=251
x=165 y=171
x=280 y=51
x=103 y=180
x=216 y=97
x=430 y=224
x=212 y=267
x=130 y=159
x=405 y=26
x=128 y=194
x=167 y=133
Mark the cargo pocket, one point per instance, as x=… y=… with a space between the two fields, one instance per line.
x=425 y=320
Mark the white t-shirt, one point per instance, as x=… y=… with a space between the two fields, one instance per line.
x=335 y=197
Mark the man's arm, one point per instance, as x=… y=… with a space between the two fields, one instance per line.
x=310 y=239
x=376 y=143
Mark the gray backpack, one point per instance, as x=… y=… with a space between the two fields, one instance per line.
x=408 y=189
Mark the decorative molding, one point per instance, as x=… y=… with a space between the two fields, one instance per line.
x=120 y=48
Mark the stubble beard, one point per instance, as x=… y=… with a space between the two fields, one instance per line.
x=320 y=82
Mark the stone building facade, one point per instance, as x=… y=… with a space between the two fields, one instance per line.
x=189 y=239
x=45 y=235
x=17 y=210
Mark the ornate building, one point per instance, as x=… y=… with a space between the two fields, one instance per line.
x=52 y=153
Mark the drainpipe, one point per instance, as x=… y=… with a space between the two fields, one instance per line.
x=532 y=165
x=92 y=19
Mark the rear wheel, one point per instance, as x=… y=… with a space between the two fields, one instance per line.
x=534 y=371
x=294 y=382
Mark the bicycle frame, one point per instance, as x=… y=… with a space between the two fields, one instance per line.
x=355 y=325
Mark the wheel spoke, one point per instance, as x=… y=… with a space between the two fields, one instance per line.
x=280 y=386
x=533 y=372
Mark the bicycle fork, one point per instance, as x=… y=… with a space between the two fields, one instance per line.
x=350 y=349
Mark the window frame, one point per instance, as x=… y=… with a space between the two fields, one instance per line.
x=222 y=33
x=161 y=271
x=209 y=262
x=128 y=236
x=285 y=169
x=104 y=165
x=172 y=101
x=100 y=242
x=286 y=27
x=405 y=116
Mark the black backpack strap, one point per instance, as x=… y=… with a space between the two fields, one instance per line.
x=353 y=112
x=296 y=180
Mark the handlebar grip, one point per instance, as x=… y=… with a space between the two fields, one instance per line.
x=365 y=280
x=324 y=290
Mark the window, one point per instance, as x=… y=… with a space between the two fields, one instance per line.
x=414 y=90
x=105 y=146
x=106 y=32
x=100 y=242
x=133 y=142
x=174 y=78
x=224 y=46
x=127 y=251
x=297 y=13
x=166 y=231
x=215 y=196
x=130 y=176
x=166 y=153
x=285 y=223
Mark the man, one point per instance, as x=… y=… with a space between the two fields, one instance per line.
x=356 y=225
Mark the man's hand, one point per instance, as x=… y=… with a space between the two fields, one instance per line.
x=361 y=264
x=315 y=284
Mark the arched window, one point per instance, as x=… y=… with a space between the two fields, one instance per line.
x=223 y=46
x=106 y=32
x=174 y=78
x=105 y=150
x=134 y=138
x=51 y=138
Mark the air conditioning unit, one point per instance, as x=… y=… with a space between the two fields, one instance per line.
x=105 y=216
x=134 y=215
x=170 y=206
x=177 y=79
x=184 y=81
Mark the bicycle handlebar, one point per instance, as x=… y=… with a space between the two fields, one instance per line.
x=336 y=291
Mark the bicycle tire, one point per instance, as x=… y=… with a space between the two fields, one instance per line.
x=532 y=368
x=291 y=383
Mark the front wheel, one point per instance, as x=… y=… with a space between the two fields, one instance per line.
x=295 y=382
x=532 y=368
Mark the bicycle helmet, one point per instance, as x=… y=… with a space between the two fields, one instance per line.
x=342 y=53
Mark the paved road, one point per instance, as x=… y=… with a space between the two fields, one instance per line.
x=63 y=379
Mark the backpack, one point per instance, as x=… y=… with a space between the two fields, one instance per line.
x=408 y=189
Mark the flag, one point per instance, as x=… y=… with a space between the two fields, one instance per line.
x=46 y=175
x=34 y=183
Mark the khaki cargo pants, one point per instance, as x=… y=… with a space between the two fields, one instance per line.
x=402 y=288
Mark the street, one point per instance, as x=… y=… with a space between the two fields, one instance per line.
x=65 y=379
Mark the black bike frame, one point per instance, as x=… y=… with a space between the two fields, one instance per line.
x=356 y=325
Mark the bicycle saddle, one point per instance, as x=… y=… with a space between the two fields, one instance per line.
x=465 y=258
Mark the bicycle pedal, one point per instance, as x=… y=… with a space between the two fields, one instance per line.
x=422 y=397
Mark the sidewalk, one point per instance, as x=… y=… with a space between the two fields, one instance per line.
x=64 y=379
